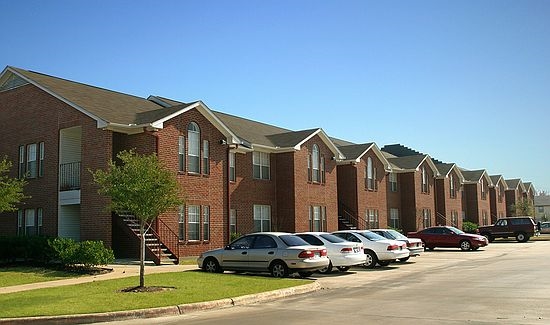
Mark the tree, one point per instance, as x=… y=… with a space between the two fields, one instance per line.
x=523 y=207
x=11 y=189
x=142 y=186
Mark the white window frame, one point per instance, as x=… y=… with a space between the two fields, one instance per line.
x=206 y=157
x=41 y=159
x=394 y=218
x=181 y=153
x=30 y=222
x=205 y=222
x=261 y=165
x=194 y=148
x=32 y=161
x=194 y=222
x=22 y=163
x=370 y=176
x=232 y=170
x=315 y=165
x=393 y=182
x=232 y=221
x=181 y=223
x=262 y=218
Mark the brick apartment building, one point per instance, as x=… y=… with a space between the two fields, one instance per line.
x=513 y=195
x=497 y=193
x=237 y=175
x=476 y=196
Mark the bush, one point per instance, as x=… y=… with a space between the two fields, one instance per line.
x=87 y=253
x=469 y=227
x=234 y=235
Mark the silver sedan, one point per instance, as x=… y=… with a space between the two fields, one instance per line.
x=275 y=252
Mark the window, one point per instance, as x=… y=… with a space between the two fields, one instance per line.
x=394 y=218
x=205 y=157
x=309 y=168
x=452 y=189
x=181 y=222
x=205 y=222
x=370 y=174
x=484 y=218
x=540 y=209
x=261 y=165
x=41 y=161
x=30 y=222
x=483 y=193
x=21 y=161
x=181 y=153
x=193 y=154
x=315 y=218
x=20 y=230
x=463 y=215
x=232 y=176
x=262 y=218
x=454 y=218
x=193 y=221
x=39 y=213
x=323 y=178
x=315 y=164
x=425 y=185
x=426 y=218
x=232 y=221
x=393 y=182
x=372 y=218
x=500 y=191
x=31 y=161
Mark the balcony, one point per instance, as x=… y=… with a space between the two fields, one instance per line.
x=69 y=176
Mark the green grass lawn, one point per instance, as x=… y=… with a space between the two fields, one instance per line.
x=105 y=296
x=16 y=275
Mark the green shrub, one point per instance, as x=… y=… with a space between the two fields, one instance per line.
x=64 y=250
x=93 y=253
x=469 y=227
x=234 y=235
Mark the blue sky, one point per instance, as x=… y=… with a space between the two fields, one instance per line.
x=464 y=81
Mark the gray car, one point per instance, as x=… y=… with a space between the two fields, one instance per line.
x=275 y=252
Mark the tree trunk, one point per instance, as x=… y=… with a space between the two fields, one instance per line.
x=142 y=254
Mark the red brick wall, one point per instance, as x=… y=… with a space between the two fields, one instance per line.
x=394 y=198
x=372 y=199
x=445 y=204
x=29 y=115
x=286 y=199
x=313 y=194
x=198 y=189
x=498 y=209
x=348 y=186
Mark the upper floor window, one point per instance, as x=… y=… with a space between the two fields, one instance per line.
x=426 y=218
x=393 y=182
x=371 y=175
x=193 y=154
x=21 y=161
x=205 y=157
x=425 y=181
x=315 y=163
x=261 y=165
x=32 y=163
x=181 y=153
x=482 y=188
x=500 y=192
x=232 y=176
x=452 y=185
x=316 y=166
x=41 y=160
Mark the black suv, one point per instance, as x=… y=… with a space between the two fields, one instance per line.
x=520 y=227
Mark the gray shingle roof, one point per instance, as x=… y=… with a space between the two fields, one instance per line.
x=473 y=175
x=542 y=200
x=407 y=162
x=354 y=151
x=108 y=105
x=513 y=183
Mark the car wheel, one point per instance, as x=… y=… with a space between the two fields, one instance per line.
x=489 y=237
x=384 y=263
x=279 y=269
x=522 y=237
x=370 y=260
x=211 y=265
x=465 y=245
x=305 y=274
x=326 y=269
x=404 y=259
x=343 y=268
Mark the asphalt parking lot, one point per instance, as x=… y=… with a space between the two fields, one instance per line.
x=503 y=283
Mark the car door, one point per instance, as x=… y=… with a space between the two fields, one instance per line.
x=263 y=251
x=236 y=254
x=501 y=228
x=449 y=238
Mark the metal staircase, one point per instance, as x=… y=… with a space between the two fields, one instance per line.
x=349 y=221
x=160 y=252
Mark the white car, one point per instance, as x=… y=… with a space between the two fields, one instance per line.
x=414 y=245
x=275 y=252
x=341 y=253
x=377 y=248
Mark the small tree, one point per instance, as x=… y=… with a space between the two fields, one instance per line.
x=11 y=189
x=523 y=207
x=141 y=186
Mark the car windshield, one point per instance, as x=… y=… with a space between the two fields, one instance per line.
x=397 y=235
x=371 y=236
x=331 y=238
x=456 y=231
x=293 y=240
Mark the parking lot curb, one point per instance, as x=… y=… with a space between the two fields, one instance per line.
x=165 y=311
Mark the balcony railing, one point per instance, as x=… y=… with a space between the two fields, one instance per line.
x=69 y=176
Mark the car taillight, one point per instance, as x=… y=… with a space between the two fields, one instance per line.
x=324 y=252
x=393 y=247
x=346 y=250
x=306 y=254
x=411 y=245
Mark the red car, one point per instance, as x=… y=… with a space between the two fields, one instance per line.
x=446 y=236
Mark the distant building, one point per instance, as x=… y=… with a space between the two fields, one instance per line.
x=542 y=207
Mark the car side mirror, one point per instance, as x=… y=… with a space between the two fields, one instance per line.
x=228 y=247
